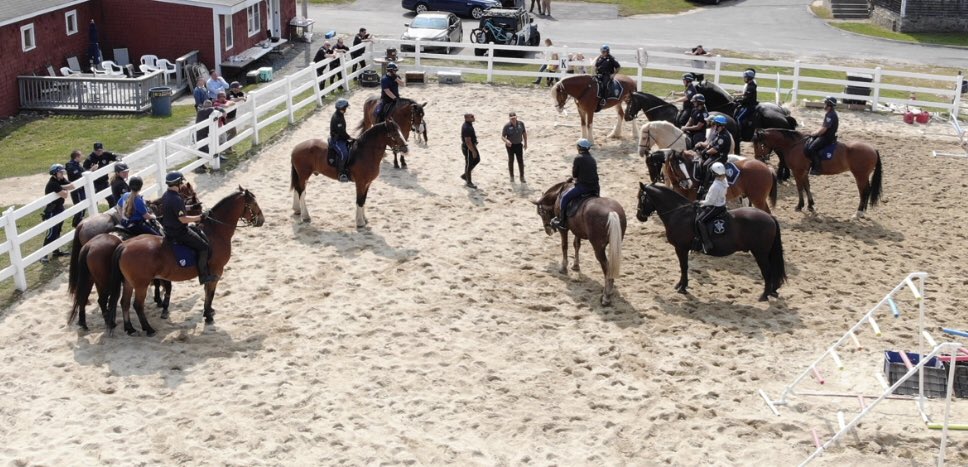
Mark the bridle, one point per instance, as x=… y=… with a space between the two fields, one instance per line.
x=643 y=197
x=559 y=89
x=391 y=137
x=247 y=213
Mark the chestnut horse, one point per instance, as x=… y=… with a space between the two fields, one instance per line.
x=749 y=229
x=584 y=89
x=139 y=260
x=863 y=161
x=310 y=157
x=104 y=222
x=756 y=182
x=601 y=221
x=407 y=113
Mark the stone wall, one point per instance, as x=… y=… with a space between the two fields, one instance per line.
x=922 y=15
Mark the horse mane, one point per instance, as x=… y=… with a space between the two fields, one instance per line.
x=226 y=199
x=666 y=194
x=792 y=135
x=371 y=133
x=553 y=192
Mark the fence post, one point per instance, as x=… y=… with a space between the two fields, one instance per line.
x=416 y=53
x=255 y=118
x=316 y=90
x=876 y=91
x=89 y=193
x=796 y=81
x=346 y=82
x=213 y=161
x=719 y=64
x=956 y=103
x=289 y=109
x=16 y=259
x=490 y=62
x=161 y=163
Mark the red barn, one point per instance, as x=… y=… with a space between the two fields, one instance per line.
x=38 y=33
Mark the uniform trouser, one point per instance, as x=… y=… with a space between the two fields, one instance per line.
x=695 y=138
x=470 y=161
x=707 y=213
x=813 y=149
x=683 y=116
x=603 y=85
x=572 y=194
x=54 y=232
x=742 y=114
x=516 y=150
x=76 y=197
x=361 y=64
x=141 y=227
x=386 y=107
x=342 y=154
x=193 y=240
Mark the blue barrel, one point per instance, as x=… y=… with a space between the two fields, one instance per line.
x=160 y=101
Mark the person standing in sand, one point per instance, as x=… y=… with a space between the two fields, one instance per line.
x=515 y=138
x=468 y=146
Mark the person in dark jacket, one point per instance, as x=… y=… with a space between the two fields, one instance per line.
x=748 y=101
x=98 y=160
x=584 y=172
x=74 y=171
x=824 y=136
x=695 y=128
x=688 y=82
x=389 y=92
x=339 y=139
x=358 y=39
x=325 y=52
x=58 y=184
x=468 y=146
x=605 y=68
x=175 y=220
x=119 y=183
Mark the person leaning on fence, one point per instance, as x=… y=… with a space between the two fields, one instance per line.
x=325 y=52
x=119 y=183
x=58 y=184
x=204 y=115
x=74 y=172
x=515 y=138
x=134 y=212
x=550 y=56
x=99 y=159
x=339 y=49
x=358 y=39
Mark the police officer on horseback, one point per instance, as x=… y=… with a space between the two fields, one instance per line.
x=175 y=221
x=389 y=91
x=584 y=172
x=715 y=149
x=748 y=100
x=688 y=82
x=712 y=206
x=824 y=136
x=695 y=128
x=605 y=68
x=339 y=139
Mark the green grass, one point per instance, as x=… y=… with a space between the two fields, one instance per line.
x=869 y=29
x=645 y=7
x=329 y=2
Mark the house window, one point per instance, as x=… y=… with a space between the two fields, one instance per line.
x=71 y=19
x=229 y=32
x=255 y=20
x=27 y=40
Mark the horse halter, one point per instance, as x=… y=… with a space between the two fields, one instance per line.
x=560 y=103
x=247 y=213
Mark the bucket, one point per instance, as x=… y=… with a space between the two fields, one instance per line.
x=923 y=117
x=909 y=117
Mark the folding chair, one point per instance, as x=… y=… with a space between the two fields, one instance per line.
x=74 y=65
x=121 y=57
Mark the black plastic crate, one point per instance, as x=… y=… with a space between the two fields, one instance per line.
x=961 y=378
x=935 y=376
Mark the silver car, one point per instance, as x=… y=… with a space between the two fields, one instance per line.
x=433 y=27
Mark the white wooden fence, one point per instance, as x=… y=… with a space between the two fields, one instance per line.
x=280 y=100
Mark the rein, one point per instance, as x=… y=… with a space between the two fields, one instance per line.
x=207 y=215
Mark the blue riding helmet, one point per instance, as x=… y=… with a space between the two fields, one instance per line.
x=719 y=119
x=831 y=101
x=605 y=48
x=136 y=183
x=688 y=77
x=584 y=143
x=342 y=104
x=174 y=178
x=751 y=73
x=120 y=167
x=56 y=168
x=699 y=98
x=392 y=66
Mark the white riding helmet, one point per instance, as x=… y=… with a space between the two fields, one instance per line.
x=718 y=168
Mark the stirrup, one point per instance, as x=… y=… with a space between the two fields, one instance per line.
x=343 y=178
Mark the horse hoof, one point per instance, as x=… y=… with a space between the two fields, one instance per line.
x=131 y=332
x=209 y=320
x=775 y=294
x=164 y=314
x=606 y=302
x=811 y=209
x=576 y=268
x=798 y=209
x=563 y=271
x=159 y=303
x=396 y=165
x=150 y=332
x=682 y=290
x=82 y=328
x=305 y=220
x=764 y=298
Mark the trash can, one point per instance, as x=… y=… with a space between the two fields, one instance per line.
x=160 y=101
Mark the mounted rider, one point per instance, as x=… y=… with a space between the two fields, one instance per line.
x=135 y=216
x=339 y=139
x=695 y=128
x=823 y=137
x=688 y=82
x=748 y=100
x=715 y=149
x=712 y=206
x=175 y=220
x=389 y=92
x=584 y=172
x=605 y=68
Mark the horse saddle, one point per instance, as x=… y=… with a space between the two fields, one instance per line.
x=613 y=89
x=185 y=256
x=827 y=152
x=338 y=150
x=576 y=204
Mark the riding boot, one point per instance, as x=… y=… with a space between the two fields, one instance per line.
x=341 y=169
x=707 y=243
x=204 y=276
x=815 y=164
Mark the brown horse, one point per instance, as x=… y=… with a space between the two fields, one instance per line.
x=584 y=89
x=601 y=221
x=749 y=229
x=407 y=113
x=863 y=161
x=756 y=182
x=104 y=222
x=310 y=157
x=139 y=260
x=93 y=268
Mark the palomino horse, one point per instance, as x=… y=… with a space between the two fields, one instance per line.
x=584 y=89
x=601 y=221
x=657 y=109
x=138 y=260
x=749 y=229
x=665 y=135
x=757 y=181
x=407 y=113
x=863 y=161
x=103 y=222
x=309 y=158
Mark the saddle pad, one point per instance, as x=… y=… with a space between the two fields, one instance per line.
x=616 y=89
x=184 y=255
x=576 y=204
x=732 y=173
x=828 y=152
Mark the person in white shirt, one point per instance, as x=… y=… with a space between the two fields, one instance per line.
x=712 y=205
x=215 y=84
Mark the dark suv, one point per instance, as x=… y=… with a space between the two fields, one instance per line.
x=505 y=27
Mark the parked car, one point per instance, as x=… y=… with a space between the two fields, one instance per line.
x=505 y=27
x=473 y=8
x=433 y=27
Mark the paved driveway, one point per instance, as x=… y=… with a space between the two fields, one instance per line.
x=774 y=27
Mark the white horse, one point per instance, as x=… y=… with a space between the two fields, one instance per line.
x=664 y=135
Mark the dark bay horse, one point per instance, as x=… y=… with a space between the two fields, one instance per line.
x=750 y=229
x=756 y=182
x=93 y=268
x=584 y=89
x=861 y=159
x=657 y=109
x=139 y=260
x=310 y=157
x=601 y=221
x=407 y=113
x=104 y=222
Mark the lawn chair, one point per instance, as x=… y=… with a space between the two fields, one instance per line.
x=150 y=61
x=74 y=65
x=108 y=68
x=121 y=57
x=166 y=67
x=67 y=71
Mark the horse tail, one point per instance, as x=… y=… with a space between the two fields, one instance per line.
x=874 y=191
x=294 y=180
x=614 y=226
x=792 y=122
x=80 y=282
x=115 y=280
x=777 y=273
x=773 y=189
x=72 y=271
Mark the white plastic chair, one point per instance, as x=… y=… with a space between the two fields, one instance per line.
x=166 y=67
x=151 y=61
x=111 y=69
x=67 y=71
